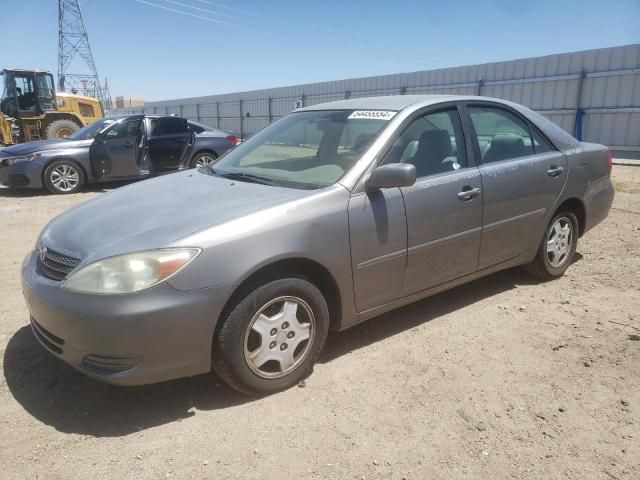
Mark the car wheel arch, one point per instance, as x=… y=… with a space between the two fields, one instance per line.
x=201 y=151
x=297 y=267
x=576 y=206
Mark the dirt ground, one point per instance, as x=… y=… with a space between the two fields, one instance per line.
x=505 y=377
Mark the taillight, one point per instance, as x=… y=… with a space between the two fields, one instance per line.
x=610 y=160
x=233 y=139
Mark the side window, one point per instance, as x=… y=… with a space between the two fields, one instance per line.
x=124 y=130
x=434 y=143
x=540 y=144
x=45 y=90
x=501 y=134
x=86 y=110
x=169 y=126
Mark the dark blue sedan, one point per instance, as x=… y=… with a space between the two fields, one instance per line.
x=134 y=146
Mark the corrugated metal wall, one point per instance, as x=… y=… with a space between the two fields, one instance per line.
x=593 y=94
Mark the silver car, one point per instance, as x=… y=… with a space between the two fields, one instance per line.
x=332 y=215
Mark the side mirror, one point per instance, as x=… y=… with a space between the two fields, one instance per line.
x=391 y=175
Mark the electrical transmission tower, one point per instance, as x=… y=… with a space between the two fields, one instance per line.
x=76 y=67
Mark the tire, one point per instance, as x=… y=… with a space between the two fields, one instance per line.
x=280 y=357
x=203 y=159
x=61 y=129
x=561 y=234
x=63 y=177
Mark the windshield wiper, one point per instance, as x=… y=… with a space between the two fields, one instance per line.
x=244 y=177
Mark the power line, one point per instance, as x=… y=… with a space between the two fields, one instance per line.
x=200 y=9
x=181 y=12
x=381 y=51
x=395 y=48
x=220 y=5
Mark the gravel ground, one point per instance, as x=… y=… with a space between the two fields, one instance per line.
x=505 y=377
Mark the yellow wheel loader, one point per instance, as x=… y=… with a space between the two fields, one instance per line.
x=30 y=108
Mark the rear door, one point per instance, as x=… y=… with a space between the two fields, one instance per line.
x=522 y=177
x=114 y=153
x=169 y=141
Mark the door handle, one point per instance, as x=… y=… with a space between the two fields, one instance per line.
x=554 y=171
x=128 y=144
x=468 y=193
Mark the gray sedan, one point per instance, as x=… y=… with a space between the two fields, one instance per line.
x=332 y=215
x=118 y=148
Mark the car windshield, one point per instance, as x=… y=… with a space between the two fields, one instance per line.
x=92 y=129
x=311 y=149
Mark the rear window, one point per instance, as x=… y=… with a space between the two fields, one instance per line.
x=195 y=128
x=540 y=144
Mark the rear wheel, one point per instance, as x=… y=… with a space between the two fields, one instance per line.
x=272 y=338
x=61 y=129
x=63 y=176
x=557 y=248
x=203 y=159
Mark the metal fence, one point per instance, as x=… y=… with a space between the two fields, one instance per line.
x=593 y=94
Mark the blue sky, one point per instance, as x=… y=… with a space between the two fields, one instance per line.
x=159 y=53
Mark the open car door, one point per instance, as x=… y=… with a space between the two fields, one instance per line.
x=170 y=140
x=114 y=153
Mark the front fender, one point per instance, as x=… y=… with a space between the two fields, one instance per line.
x=77 y=156
x=315 y=228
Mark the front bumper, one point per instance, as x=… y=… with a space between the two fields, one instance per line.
x=150 y=336
x=22 y=174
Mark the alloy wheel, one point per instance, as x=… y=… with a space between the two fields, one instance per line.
x=65 y=177
x=204 y=161
x=559 y=241
x=279 y=337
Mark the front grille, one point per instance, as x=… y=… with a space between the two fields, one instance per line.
x=55 y=265
x=18 y=180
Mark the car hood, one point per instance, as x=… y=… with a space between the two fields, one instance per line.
x=156 y=213
x=42 y=145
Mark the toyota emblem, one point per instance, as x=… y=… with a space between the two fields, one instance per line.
x=42 y=252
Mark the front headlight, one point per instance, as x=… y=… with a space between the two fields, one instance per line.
x=130 y=272
x=22 y=158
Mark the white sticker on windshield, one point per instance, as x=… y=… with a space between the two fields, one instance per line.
x=372 y=115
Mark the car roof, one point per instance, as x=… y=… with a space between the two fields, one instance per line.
x=398 y=102
x=390 y=102
x=24 y=70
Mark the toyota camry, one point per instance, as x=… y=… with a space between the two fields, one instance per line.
x=331 y=215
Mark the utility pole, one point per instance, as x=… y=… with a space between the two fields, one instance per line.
x=76 y=66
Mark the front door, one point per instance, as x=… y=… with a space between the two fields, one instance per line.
x=378 y=237
x=444 y=206
x=169 y=141
x=522 y=177
x=114 y=153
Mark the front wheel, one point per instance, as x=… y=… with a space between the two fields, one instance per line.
x=63 y=176
x=272 y=338
x=558 y=246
